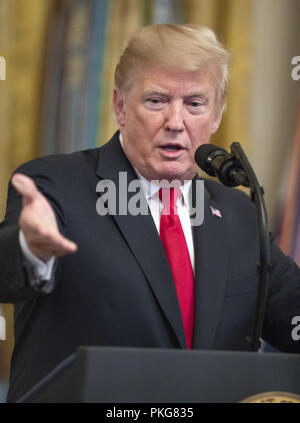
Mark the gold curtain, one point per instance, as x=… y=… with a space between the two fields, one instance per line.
x=23 y=35
x=124 y=18
x=232 y=21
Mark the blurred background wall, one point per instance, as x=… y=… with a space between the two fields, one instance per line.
x=57 y=95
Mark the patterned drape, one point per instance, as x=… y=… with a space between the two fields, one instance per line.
x=124 y=17
x=289 y=227
x=23 y=39
x=232 y=21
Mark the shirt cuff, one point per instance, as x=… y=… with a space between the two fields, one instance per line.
x=40 y=271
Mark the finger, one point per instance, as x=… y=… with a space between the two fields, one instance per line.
x=45 y=249
x=60 y=250
x=25 y=186
x=67 y=245
x=59 y=245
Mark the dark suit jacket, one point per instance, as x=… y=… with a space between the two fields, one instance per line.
x=117 y=290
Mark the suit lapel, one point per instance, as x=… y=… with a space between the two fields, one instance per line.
x=210 y=273
x=142 y=238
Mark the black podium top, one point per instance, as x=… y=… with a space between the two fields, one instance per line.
x=120 y=375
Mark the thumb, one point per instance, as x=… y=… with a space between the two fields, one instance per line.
x=25 y=186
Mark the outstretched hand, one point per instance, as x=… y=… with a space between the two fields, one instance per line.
x=38 y=222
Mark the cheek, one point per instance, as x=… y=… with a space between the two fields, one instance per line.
x=147 y=121
x=201 y=132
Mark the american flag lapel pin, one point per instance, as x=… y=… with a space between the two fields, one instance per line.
x=215 y=212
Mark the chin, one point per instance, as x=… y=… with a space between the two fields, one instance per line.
x=172 y=173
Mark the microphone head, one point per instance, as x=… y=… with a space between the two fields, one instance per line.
x=205 y=154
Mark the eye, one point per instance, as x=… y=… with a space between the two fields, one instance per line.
x=196 y=106
x=155 y=102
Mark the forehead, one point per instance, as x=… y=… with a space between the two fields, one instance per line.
x=171 y=81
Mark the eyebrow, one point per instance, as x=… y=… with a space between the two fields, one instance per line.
x=201 y=95
x=162 y=93
x=154 y=92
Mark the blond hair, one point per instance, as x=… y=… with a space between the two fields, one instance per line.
x=181 y=47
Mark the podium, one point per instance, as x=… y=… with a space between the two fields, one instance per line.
x=136 y=375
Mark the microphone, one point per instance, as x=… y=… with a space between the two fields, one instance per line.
x=215 y=161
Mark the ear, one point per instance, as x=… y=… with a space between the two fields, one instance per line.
x=119 y=107
x=218 y=118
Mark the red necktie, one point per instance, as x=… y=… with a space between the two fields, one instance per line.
x=173 y=240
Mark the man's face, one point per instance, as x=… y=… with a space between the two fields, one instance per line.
x=164 y=117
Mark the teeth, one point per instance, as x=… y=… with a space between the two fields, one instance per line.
x=175 y=148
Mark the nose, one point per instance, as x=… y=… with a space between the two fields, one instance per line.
x=174 y=118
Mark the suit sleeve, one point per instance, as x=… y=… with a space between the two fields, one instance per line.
x=15 y=285
x=283 y=302
x=283 y=298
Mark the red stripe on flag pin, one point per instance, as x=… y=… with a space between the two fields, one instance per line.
x=215 y=212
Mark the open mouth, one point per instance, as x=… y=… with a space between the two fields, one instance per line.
x=170 y=147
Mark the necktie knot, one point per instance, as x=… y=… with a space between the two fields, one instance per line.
x=169 y=197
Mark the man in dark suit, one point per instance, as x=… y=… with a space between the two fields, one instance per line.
x=113 y=284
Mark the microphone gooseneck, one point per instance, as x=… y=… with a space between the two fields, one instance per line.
x=234 y=169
